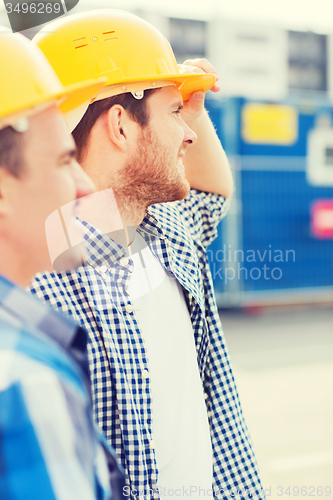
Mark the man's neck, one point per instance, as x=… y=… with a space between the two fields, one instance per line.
x=131 y=214
x=13 y=269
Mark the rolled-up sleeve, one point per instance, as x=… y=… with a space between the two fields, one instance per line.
x=203 y=213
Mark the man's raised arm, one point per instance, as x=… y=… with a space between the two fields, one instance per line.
x=206 y=164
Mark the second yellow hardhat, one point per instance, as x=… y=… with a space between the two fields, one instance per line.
x=128 y=51
x=28 y=83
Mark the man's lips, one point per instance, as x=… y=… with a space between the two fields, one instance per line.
x=181 y=155
x=76 y=210
x=180 y=162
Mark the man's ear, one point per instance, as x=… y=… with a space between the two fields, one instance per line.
x=119 y=126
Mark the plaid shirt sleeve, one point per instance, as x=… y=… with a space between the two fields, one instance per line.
x=203 y=213
x=47 y=445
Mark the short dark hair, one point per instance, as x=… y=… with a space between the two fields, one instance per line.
x=137 y=108
x=11 y=148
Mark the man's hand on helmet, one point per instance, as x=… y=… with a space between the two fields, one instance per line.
x=195 y=105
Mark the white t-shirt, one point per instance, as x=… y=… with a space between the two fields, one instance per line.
x=180 y=422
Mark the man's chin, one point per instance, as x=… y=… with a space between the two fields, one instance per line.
x=184 y=191
x=175 y=193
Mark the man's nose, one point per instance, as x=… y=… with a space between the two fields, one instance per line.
x=190 y=137
x=84 y=185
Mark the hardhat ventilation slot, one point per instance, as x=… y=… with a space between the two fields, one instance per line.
x=109 y=33
x=79 y=40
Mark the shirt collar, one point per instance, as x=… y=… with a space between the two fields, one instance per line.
x=102 y=250
x=29 y=312
x=151 y=228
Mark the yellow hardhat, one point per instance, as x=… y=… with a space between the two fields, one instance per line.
x=28 y=83
x=130 y=52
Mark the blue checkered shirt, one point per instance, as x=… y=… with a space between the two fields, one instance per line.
x=95 y=295
x=49 y=448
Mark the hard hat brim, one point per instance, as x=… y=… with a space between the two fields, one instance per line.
x=187 y=83
x=67 y=99
x=77 y=93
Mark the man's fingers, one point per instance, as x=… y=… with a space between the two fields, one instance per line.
x=190 y=69
x=197 y=100
x=202 y=64
x=199 y=66
x=216 y=87
x=193 y=107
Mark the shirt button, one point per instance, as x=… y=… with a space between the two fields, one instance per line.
x=103 y=269
x=129 y=308
x=145 y=374
x=152 y=444
x=124 y=261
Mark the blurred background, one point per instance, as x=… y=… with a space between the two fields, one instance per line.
x=272 y=262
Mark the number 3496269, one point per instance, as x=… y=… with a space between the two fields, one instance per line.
x=33 y=8
x=304 y=491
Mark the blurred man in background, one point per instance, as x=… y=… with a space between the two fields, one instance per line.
x=164 y=392
x=49 y=448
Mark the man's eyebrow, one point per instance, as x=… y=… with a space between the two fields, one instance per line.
x=177 y=104
x=70 y=153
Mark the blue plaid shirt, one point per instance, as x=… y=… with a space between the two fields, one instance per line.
x=49 y=448
x=95 y=295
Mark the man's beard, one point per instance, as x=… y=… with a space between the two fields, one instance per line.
x=151 y=176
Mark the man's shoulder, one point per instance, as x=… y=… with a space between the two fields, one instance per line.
x=29 y=355
x=60 y=290
x=23 y=356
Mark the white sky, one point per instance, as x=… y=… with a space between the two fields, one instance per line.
x=315 y=15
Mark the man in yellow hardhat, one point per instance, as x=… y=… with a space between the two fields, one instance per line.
x=163 y=388
x=49 y=448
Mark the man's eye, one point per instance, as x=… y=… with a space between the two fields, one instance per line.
x=67 y=162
